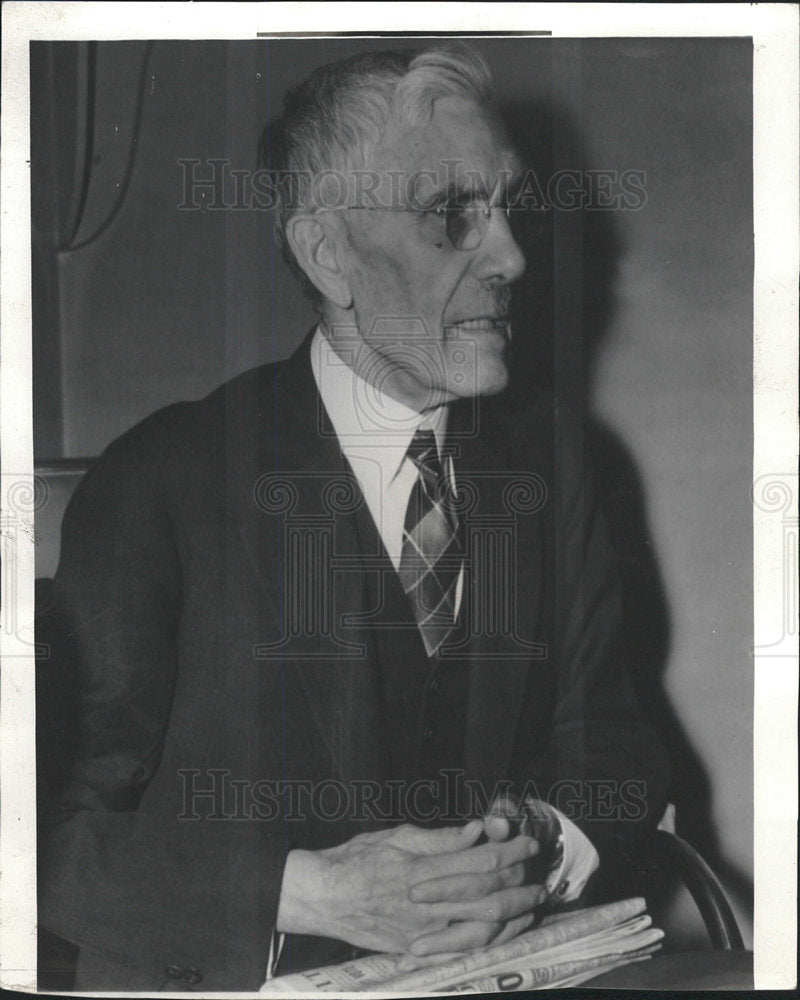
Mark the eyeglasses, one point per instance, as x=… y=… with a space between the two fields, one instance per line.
x=466 y=219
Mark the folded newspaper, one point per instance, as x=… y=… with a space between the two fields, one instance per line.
x=563 y=950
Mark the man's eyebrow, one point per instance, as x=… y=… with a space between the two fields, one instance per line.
x=464 y=188
x=471 y=186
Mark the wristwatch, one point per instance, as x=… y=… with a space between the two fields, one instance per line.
x=539 y=820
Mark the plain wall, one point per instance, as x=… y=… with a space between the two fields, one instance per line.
x=652 y=312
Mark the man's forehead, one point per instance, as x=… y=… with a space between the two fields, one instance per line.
x=463 y=144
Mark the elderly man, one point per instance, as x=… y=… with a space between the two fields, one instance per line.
x=343 y=632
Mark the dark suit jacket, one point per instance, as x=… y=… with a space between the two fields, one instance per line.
x=188 y=556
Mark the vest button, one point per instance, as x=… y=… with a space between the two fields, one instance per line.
x=434 y=685
x=428 y=735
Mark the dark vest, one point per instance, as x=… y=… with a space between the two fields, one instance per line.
x=423 y=701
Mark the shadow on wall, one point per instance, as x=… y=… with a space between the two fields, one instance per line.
x=562 y=313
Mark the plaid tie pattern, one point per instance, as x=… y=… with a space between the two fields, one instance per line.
x=431 y=559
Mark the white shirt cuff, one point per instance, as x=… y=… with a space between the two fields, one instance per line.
x=576 y=859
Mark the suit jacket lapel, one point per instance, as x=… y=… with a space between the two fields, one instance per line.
x=302 y=537
x=505 y=554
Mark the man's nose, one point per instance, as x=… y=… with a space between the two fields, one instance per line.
x=500 y=257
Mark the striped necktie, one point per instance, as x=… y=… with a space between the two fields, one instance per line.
x=431 y=559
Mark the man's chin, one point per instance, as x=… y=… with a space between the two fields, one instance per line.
x=493 y=385
x=490 y=379
x=491 y=370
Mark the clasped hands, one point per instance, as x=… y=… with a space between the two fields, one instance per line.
x=420 y=891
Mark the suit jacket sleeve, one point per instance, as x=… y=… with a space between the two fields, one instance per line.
x=604 y=767
x=143 y=889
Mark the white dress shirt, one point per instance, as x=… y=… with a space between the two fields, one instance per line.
x=374 y=432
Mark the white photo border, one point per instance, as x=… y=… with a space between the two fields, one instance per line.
x=774 y=29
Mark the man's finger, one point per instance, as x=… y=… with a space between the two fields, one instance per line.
x=410 y=963
x=489 y=857
x=501 y=820
x=447 y=840
x=458 y=937
x=430 y=948
x=507 y=904
x=514 y=927
x=469 y=886
x=497 y=828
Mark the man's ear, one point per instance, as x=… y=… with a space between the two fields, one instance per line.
x=316 y=249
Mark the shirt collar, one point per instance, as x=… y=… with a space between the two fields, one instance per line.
x=363 y=416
